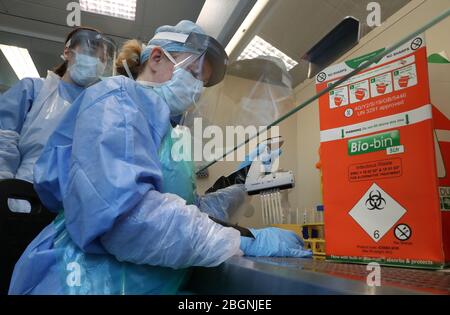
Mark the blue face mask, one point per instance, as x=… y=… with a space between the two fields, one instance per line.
x=86 y=69
x=182 y=91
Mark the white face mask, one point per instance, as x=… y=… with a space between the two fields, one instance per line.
x=86 y=69
x=180 y=92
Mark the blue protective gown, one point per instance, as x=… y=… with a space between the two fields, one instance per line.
x=120 y=230
x=218 y=204
x=29 y=112
x=15 y=104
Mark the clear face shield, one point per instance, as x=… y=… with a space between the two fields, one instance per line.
x=253 y=94
x=265 y=92
x=95 y=50
x=202 y=56
x=199 y=62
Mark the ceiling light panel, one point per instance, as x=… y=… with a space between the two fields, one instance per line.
x=123 y=9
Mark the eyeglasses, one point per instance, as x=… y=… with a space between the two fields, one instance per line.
x=192 y=63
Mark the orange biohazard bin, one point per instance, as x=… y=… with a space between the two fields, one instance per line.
x=381 y=158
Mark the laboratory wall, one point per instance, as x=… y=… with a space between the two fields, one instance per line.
x=301 y=132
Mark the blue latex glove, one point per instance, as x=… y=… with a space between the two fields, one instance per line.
x=256 y=153
x=274 y=242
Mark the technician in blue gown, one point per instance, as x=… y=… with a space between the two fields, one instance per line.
x=125 y=225
x=32 y=108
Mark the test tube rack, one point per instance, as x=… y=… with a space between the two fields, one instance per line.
x=314 y=239
x=313 y=231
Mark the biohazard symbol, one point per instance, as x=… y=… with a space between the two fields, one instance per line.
x=375 y=201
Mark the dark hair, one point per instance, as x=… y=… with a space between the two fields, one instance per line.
x=62 y=68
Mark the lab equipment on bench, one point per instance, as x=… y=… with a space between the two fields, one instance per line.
x=313 y=231
x=265 y=179
x=262 y=176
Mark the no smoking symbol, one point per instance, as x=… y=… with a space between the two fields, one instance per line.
x=402 y=232
x=321 y=77
x=417 y=43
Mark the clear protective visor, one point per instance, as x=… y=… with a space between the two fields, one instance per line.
x=94 y=44
x=253 y=93
x=202 y=55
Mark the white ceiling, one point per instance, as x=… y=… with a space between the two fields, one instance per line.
x=149 y=15
x=40 y=26
x=293 y=26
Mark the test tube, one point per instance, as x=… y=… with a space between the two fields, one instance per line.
x=263 y=209
x=274 y=196
x=280 y=210
x=266 y=208
x=269 y=214
x=272 y=205
x=277 y=206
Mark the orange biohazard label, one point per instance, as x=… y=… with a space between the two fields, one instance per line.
x=380 y=183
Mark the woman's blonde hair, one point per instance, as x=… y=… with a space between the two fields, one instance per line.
x=131 y=54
